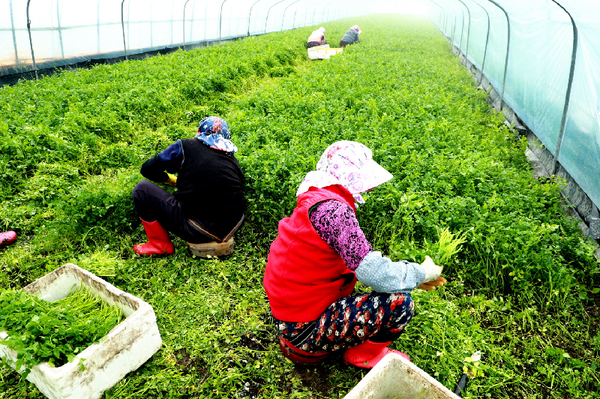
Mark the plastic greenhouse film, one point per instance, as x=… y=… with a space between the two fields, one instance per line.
x=535 y=91
x=580 y=150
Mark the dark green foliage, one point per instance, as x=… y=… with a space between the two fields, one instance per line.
x=71 y=150
x=40 y=331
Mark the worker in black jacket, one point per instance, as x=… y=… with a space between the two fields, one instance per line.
x=351 y=36
x=209 y=202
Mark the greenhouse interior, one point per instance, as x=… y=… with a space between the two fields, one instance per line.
x=467 y=263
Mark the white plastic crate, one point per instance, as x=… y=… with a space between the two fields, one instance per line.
x=125 y=348
x=322 y=52
x=396 y=377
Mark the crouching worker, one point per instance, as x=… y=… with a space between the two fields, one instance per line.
x=319 y=254
x=317 y=38
x=208 y=206
x=351 y=36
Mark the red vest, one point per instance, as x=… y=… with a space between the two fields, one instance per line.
x=304 y=275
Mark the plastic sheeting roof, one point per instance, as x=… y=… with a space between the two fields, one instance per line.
x=543 y=56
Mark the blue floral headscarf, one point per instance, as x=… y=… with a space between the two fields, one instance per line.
x=214 y=132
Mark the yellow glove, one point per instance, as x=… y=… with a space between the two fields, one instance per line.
x=172 y=180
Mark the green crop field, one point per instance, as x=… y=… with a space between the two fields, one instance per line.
x=523 y=290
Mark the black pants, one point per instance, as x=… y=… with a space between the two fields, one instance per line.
x=343 y=43
x=315 y=44
x=153 y=203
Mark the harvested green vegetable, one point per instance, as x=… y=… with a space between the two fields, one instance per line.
x=101 y=263
x=442 y=251
x=447 y=246
x=53 y=332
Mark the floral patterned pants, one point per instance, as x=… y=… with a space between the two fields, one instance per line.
x=350 y=321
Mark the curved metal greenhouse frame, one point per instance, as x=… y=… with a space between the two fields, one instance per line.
x=535 y=98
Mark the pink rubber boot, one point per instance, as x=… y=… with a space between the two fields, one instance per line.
x=369 y=353
x=7 y=238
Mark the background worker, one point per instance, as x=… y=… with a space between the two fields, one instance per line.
x=319 y=254
x=209 y=202
x=317 y=38
x=351 y=36
x=7 y=238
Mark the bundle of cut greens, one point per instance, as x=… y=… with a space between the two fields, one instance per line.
x=53 y=332
x=442 y=251
x=101 y=263
x=446 y=247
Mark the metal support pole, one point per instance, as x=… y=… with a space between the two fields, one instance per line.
x=443 y=16
x=507 y=52
x=329 y=17
x=98 y=24
x=268 y=11
x=487 y=37
x=221 y=18
x=283 y=18
x=468 y=31
x=14 y=33
x=31 y=41
x=326 y=18
x=325 y=8
x=454 y=29
x=60 y=38
x=250 y=15
x=183 y=22
x=191 y=39
x=123 y=29
x=306 y=14
x=172 y=14
x=151 y=24
x=306 y=7
x=294 y=20
x=446 y=26
x=563 y=121
x=346 y=11
x=129 y=21
x=205 y=20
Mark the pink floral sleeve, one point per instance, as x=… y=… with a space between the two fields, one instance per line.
x=336 y=223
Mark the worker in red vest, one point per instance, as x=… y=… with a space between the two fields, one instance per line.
x=319 y=254
x=316 y=38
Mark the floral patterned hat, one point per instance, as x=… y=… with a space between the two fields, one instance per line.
x=349 y=164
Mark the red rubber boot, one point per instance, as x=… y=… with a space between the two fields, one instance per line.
x=7 y=238
x=369 y=353
x=158 y=243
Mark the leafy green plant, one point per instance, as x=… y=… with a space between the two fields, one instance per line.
x=447 y=246
x=442 y=252
x=40 y=331
x=101 y=263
